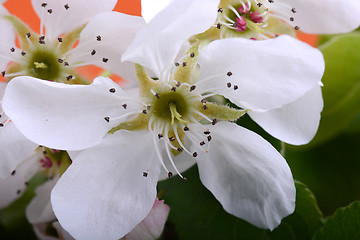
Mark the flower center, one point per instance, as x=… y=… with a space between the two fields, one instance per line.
x=43 y=64
x=170 y=106
x=242 y=17
x=255 y=19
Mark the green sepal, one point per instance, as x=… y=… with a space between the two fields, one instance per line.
x=220 y=112
x=69 y=39
x=186 y=68
x=65 y=162
x=213 y=33
x=13 y=68
x=140 y=122
x=78 y=79
x=145 y=81
x=22 y=30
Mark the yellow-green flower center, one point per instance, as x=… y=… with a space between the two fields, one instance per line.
x=170 y=106
x=43 y=64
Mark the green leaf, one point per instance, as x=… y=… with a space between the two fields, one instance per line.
x=196 y=214
x=306 y=219
x=341 y=91
x=344 y=224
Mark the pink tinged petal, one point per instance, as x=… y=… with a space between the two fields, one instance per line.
x=114 y=29
x=7 y=41
x=150 y=8
x=260 y=75
x=248 y=176
x=13 y=187
x=62 y=116
x=39 y=209
x=294 y=123
x=63 y=16
x=153 y=225
x=321 y=16
x=157 y=45
x=104 y=194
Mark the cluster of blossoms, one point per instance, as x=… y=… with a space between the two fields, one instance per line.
x=105 y=148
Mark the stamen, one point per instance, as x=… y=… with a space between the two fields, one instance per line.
x=179 y=141
x=171 y=160
x=157 y=149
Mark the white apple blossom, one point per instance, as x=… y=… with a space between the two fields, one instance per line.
x=51 y=55
x=163 y=129
x=263 y=19
x=169 y=125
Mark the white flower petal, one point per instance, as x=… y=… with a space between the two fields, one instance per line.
x=117 y=31
x=63 y=16
x=7 y=41
x=149 y=8
x=248 y=176
x=322 y=16
x=268 y=74
x=62 y=116
x=156 y=46
x=39 y=209
x=104 y=193
x=294 y=123
x=14 y=149
x=153 y=225
x=14 y=186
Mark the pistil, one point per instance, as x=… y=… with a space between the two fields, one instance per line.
x=40 y=65
x=175 y=114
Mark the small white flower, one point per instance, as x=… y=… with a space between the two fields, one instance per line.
x=263 y=19
x=50 y=55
